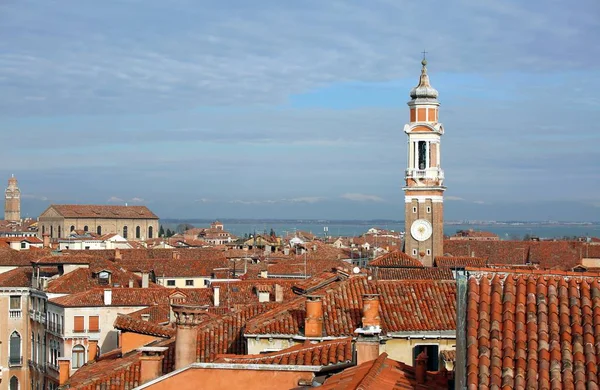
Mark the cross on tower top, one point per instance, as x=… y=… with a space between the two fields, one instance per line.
x=424 y=53
x=424 y=61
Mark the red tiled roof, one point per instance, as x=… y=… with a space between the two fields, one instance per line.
x=11 y=257
x=405 y=305
x=395 y=258
x=420 y=273
x=533 y=330
x=383 y=373
x=67 y=258
x=131 y=324
x=102 y=211
x=308 y=354
x=18 y=277
x=307 y=286
x=460 y=261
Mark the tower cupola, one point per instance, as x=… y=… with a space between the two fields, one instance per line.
x=424 y=92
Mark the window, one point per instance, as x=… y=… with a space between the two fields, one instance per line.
x=428 y=252
x=189 y=282
x=103 y=278
x=14 y=383
x=414 y=252
x=43 y=229
x=429 y=209
x=78 y=356
x=94 y=324
x=433 y=355
x=137 y=232
x=99 y=230
x=15 y=302
x=414 y=209
x=72 y=227
x=170 y=282
x=85 y=228
x=78 y=324
x=124 y=231
x=52 y=231
x=15 y=357
x=422 y=152
x=59 y=231
x=150 y=232
x=23 y=245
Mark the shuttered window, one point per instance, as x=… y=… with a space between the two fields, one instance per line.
x=94 y=324
x=78 y=324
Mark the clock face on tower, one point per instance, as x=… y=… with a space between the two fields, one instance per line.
x=421 y=230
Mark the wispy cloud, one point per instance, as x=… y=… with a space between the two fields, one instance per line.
x=453 y=198
x=115 y=199
x=137 y=200
x=362 y=197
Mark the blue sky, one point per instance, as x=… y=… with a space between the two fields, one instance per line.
x=273 y=109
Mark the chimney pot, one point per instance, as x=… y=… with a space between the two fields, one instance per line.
x=130 y=283
x=145 y=279
x=313 y=324
x=370 y=320
x=151 y=363
x=46 y=239
x=187 y=319
x=64 y=370
x=92 y=350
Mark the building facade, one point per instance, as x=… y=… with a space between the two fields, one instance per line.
x=134 y=223
x=424 y=177
x=12 y=201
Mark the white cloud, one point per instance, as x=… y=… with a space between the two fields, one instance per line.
x=453 y=198
x=36 y=197
x=306 y=199
x=203 y=200
x=114 y=199
x=478 y=202
x=137 y=200
x=362 y=197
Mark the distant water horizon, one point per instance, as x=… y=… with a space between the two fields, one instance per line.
x=509 y=230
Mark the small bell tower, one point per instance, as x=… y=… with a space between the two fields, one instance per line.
x=12 y=201
x=424 y=177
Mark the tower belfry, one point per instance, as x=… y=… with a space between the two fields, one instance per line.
x=12 y=201
x=424 y=177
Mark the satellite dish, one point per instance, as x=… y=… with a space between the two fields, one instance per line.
x=356 y=270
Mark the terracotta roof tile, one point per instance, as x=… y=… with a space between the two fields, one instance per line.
x=417 y=273
x=103 y=211
x=131 y=324
x=460 y=261
x=318 y=354
x=533 y=330
x=395 y=258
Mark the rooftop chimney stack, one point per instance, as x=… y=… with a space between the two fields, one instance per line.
x=151 y=363
x=176 y=255
x=46 y=239
x=216 y=296
x=107 y=297
x=64 y=370
x=368 y=340
x=92 y=350
x=145 y=279
x=118 y=255
x=130 y=283
x=187 y=319
x=313 y=323
x=145 y=317
x=278 y=293
x=421 y=368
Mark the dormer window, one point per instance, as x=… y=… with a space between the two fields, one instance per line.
x=103 y=277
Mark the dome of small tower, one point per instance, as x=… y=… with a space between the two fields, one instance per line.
x=424 y=90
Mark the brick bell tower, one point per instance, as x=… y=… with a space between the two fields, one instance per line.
x=424 y=191
x=12 y=201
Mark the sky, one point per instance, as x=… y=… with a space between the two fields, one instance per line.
x=281 y=109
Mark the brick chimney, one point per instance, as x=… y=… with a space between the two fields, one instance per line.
x=46 y=239
x=313 y=322
x=92 y=350
x=64 y=370
x=421 y=368
x=118 y=255
x=151 y=363
x=187 y=319
x=368 y=340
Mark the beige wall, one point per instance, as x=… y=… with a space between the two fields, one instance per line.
x=108 y=226
x=8 y=324
x=180 y=282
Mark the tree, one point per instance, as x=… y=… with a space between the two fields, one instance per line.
x=161 y=231
x=169 y=233
x=182 y=227
x=272 y=233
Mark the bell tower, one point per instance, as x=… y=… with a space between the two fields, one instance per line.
x=424 y=190
x=12 y=201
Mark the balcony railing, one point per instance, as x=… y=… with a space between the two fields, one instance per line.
x=15 y=361
x=15 y=313
x=431 y=173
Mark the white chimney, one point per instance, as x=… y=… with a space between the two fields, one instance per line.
x=145 y=317
x=107 y=297
x=130 y=283
x=216 y=295
x=264 y=274
x=145 y=279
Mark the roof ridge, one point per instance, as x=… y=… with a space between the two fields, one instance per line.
x=371 y=374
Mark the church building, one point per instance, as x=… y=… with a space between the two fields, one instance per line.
x=424 y=177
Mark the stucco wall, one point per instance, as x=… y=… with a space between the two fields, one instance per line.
x=7 y=326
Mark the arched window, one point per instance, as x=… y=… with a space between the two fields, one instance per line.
x=137 y=232
x=43 y=229
x=150 y=232
x=72 y=227
x=59 y=231
x=14 y=383
x=99 y=230
x=51 y=231
x=124 y=231
x=85 y=228
x=15 y=349
x=78 y=358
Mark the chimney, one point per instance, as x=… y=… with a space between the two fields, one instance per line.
x=314 y=247
x=278 y=293
x=286 y=251
x=130 y=283
x=367 y=342
x=421 y=368
x=64 y=370
x=107 y=297
x=176 y=255
x=145 y=279
x=145 y=317
x=151 y=363
x=264 y=274
x=216 y=296
x=187 y=319
x=118 y=255
x=92 y=350
x=46 y=239
x=313 y=323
